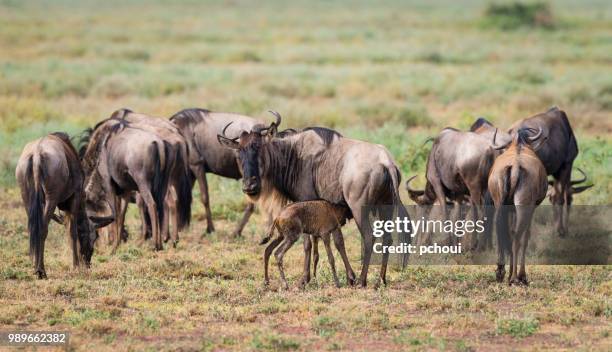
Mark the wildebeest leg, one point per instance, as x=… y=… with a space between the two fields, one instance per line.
x=307 y=249
x=72 y=230
x=143 y=213
x=315 y=254
x=173 y=205
x=165 y=226
x=148 y=200
x=40 y=256
x=275 y=242
x=288 y=241
x=245 y=218
x=501 y=221
x=339 y=243
x=330 y=258
x=203 y=184
x=441 y=200
x=367 y=237
x=119 y=221
x=523 y=221
x=559 y=198
x=475 y=202
x=522 y=275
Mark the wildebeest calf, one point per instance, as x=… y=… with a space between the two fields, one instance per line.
x=318 y=218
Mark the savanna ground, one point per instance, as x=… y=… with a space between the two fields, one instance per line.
x=389 y=73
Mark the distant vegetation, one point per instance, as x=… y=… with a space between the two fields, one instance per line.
x=514 y=15
x=393 y=73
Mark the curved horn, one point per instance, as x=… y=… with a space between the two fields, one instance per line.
x=225 y=129
x=413 y=191
x=278 y=117
x=538 y=135
x=498 y=147
x=584 y=178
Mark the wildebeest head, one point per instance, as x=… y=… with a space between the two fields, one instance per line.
x=249 y=145
x=521 y=138
x=99 y=210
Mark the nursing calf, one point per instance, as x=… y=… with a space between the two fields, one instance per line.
x=317 y=218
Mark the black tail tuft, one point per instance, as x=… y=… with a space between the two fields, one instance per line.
x=183 y=190
x=35 y=211
x=160 y=181
x=265 y=240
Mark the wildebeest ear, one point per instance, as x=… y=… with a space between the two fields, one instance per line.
x=101 y=221
x=226 y=142
x=581 y=188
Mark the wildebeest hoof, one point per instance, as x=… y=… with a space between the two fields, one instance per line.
x=523 y=280
x=174 y=244
x=41 y=275
x=515 y=282
x=210 y=229
x=499 y=274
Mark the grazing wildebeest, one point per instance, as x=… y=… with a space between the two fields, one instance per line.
x=457 y=167
x=121 y=159
x=318 y=163
x=557 y=150
x=178 y=199
x=316 y=218
x=201 y=127
x=517 y=184
x=49 y=175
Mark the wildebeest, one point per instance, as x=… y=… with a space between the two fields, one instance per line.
x=457 y=167
x=178 y=199
x=120 y=159
x=317 y=218
x=557 y=150
x=517 y=184
x=201 y=127
x=49 y=175
x=318 y=163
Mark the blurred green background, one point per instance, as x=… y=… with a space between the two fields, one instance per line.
x=392 y=72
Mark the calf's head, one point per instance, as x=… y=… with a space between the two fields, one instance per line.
x=249 y=146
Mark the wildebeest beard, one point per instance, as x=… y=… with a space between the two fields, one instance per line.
x=282 y=167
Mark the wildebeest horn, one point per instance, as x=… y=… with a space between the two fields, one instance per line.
x=537 y=135
x=414 y=192
x=225 y=129
x=584 y=178
x=278 y=118
x=497 y=146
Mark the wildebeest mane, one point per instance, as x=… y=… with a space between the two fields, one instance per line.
x=189 y=116
x=282 y=165
x=326 y=134
x=479 y=123
x=90 y=147
x=68 y=146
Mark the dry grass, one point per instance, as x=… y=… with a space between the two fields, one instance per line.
x=392 y=74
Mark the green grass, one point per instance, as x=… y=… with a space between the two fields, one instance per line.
x=393 y=73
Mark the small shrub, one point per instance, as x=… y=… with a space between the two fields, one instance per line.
x=514 y=15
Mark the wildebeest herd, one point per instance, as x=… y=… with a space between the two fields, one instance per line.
x=327 y=177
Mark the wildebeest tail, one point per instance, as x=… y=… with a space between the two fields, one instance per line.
x=183 y=190
x=267 y=238
x=36 y=205
x=402 y=213
x=160 y=178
